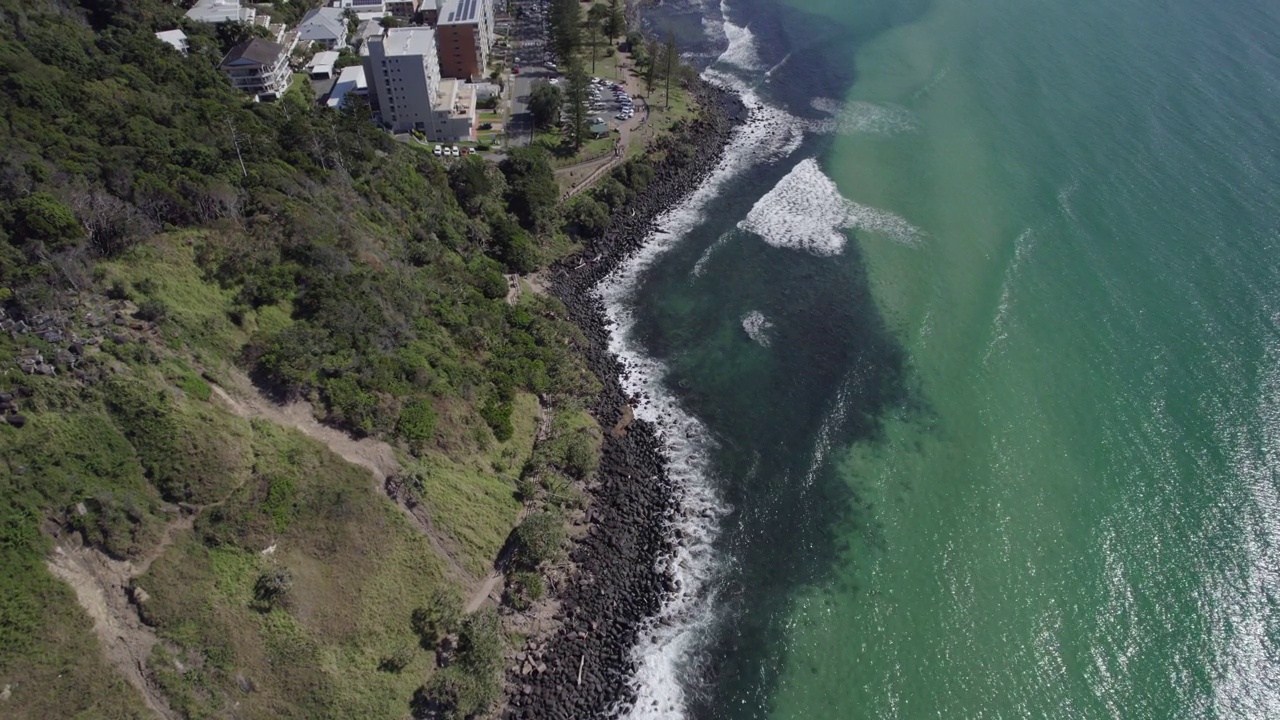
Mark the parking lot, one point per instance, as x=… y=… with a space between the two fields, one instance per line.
x=528 y=48
x=610 y=102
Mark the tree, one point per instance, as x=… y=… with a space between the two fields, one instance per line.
x=545 y=103
x=532 y=192
x=566 y=32
x=41 y=217
x=470 y=181
x=651 y=67
x=587 y=217
x=615 y=25
x=670 y=60
x=539 y=539
x=575 y=105
x=472 y=684
x=438 y=616
x=231 y=34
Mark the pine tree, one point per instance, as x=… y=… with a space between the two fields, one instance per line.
x=615 y=25
x=575 y=104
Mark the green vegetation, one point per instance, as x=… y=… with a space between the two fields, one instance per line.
x=189 y=237
x=539 y=539
x=472 y=682
x=544 y=104
x=175 y=238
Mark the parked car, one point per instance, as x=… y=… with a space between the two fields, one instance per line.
x=486 y=126
x=438 y=151
x=515 y=70
x=454 y=151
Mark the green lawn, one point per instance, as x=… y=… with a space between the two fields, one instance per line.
x=561 y=155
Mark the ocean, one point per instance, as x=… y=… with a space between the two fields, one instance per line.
x=967 y=358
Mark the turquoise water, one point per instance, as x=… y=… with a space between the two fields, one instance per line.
x=1003 y=440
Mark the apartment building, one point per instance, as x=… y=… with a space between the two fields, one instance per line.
x=402 y=9
x=464 y=31
x=403 y=73
x=260 y=67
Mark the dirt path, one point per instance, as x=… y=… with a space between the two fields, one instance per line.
x=485 y=590
x=376 y=456
x=101 y=586
x=494 y=580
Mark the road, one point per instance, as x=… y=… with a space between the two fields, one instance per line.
x=520 y=128
x=527 y=49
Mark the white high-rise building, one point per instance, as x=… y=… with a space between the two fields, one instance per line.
x=407 y=92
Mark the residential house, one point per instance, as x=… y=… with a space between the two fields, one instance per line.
x=464 y=31
x=403 y=72
x=325 y=27
x=175 y=38
x=321 y=65
x=351 y=82
x=260 y=67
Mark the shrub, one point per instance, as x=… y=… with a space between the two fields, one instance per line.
x=43 y=218
x=472 y=684
x=580 y=455
x=539 y=539
x=398 y=660
x=438 y=616
x=417 y=422
x=498 y=415
x=524 y=589
x=272 y=589
x=152 y=310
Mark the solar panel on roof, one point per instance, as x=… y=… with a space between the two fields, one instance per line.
x=462 y=11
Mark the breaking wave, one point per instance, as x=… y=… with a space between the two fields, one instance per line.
x=670 y=641
x=805 y=211
x=757 y=327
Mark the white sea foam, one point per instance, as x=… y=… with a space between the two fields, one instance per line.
x=672 y=638
x=1065 y=196
x=934 y=81
x=805 y=211
x=742 y=51
x=1022 y=248
x=700 y=266
x=757 y=327
x=769 y=73
x=862 y=118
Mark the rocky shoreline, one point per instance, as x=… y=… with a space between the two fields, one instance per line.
x=582 y=669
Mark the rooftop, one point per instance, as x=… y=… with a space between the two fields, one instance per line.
x=458 y=97
x=352 y=80
x=257 y=50
x=325 y=23
x=409 y=41
x=216 y=11
x=176 y=38
x=458 y=12
x=323 y=61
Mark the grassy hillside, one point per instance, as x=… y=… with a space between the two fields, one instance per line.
x=144 y=272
